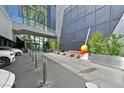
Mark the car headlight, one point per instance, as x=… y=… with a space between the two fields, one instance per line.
x=12 y=54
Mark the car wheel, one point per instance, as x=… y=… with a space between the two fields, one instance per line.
x=6 y=61
x=18 y=54
x=2 y=63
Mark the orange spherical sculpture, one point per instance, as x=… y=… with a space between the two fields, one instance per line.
x=84 y=49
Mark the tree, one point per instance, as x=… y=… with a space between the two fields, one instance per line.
x=53 y=44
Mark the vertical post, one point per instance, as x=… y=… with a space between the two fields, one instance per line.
x=43 y=45
x=44 y=71
x=29 y=52
x=32 y=57
x=36 y=60
x=87 y=36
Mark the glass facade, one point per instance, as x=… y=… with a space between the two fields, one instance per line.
x=33 y=42
x=33 y=15
x=6 y=42
x=38 y=16
x=77 y=20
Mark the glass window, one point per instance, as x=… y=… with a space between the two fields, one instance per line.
x=99 y=6
x=74 y=13
x=90 y=8
x=81 y=10
x=103 y=15
x=105 y=28
x=67 y=9
x=116 y=11
x=81 y=23
x=73 y=6
x=64 y=21
x=79 y=35
x=69 y=18
x=92 y=30
x=90 y=20
x=71 y=27
x=113 y=24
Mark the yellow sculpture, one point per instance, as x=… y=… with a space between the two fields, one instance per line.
x=84 y=49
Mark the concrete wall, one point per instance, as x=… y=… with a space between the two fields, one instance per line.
x=59 y=18
x=5 y=25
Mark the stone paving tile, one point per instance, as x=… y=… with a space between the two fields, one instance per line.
x=27 y=76
x=109 y=77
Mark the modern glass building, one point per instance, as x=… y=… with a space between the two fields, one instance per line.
x=33 y=15
x=36 y=16
x=77 y=20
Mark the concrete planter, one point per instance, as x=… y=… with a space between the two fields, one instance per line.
x=58 y=53
x=71 y=55
x=78 y=56
x=112 y=61
x=64 y=53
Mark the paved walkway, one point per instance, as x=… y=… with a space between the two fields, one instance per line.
x=29 y=77
x=102 y=76
x=24 y=70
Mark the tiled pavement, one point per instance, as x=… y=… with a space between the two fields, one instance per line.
x=102 y=76
x=64 y=72
x=27 y=76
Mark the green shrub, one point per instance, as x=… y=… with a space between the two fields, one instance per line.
x=114 y=46
x=53 y=44
x=78 y=56
x=99 y=44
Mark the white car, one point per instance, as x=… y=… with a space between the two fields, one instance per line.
x=7 y=79
x=6 y=56
x=17 y=52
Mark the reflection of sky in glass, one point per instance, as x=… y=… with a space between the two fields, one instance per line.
x=15 y=12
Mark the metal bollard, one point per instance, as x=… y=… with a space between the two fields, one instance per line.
x=29 y=51
x=44 y=82
x=36 y=60
x=32 y=57
x=45 y=71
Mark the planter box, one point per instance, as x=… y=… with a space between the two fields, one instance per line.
x=64 y=53
x=58 y=53
x=112 y=61
x=77 y=56
x=71 y=55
